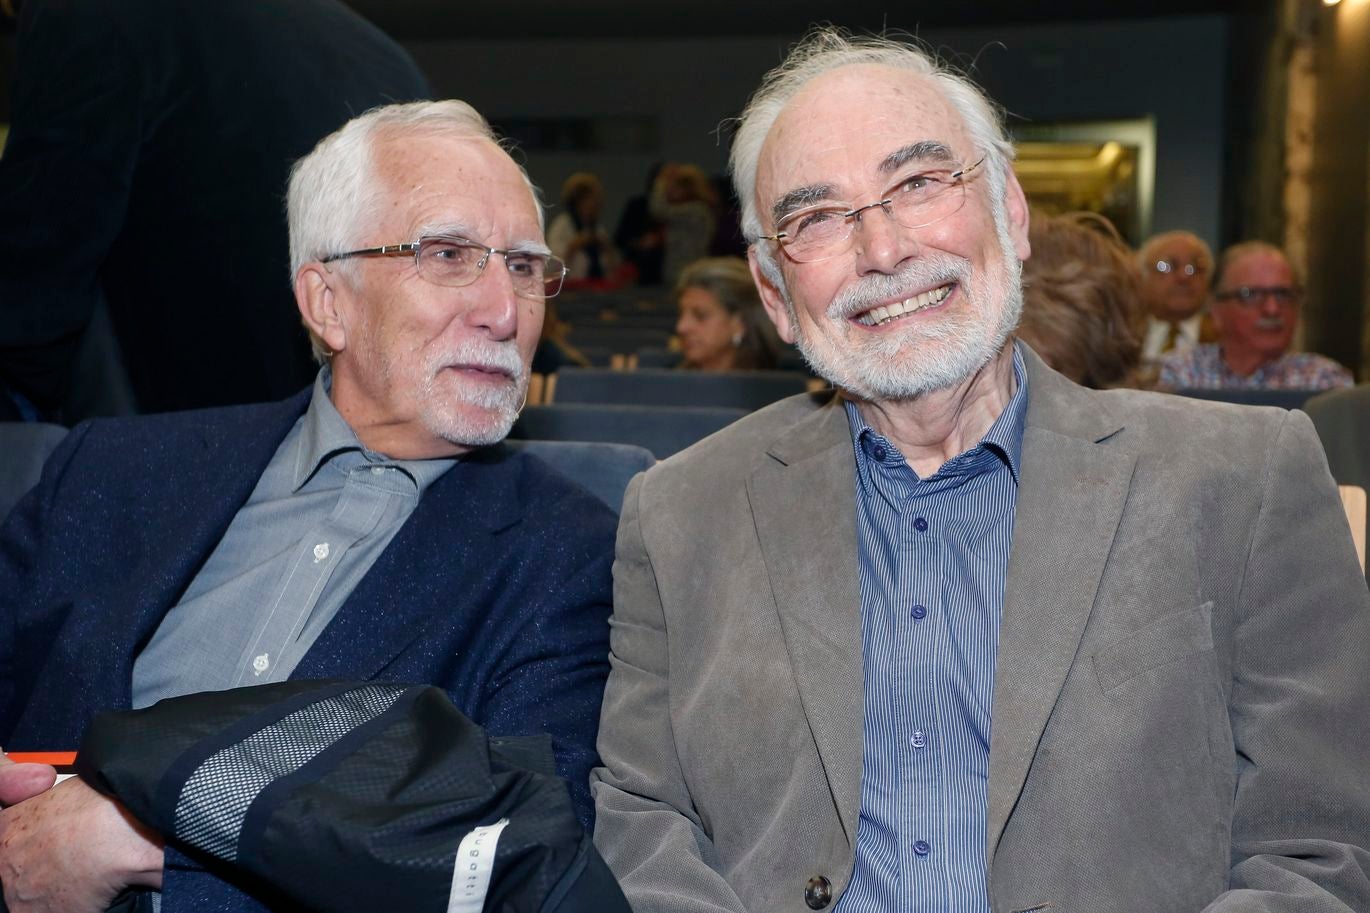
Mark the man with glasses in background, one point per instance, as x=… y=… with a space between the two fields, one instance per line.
x=1255 y=305
x=968 y=636
x=367 y=529
x=1175 y=269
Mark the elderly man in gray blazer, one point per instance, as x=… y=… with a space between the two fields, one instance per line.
x=970 y=637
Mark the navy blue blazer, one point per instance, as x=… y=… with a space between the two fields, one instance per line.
x=496 y=589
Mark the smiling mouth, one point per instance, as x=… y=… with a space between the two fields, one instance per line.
x=885 y=313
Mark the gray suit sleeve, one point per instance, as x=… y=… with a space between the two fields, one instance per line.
x=1300 y=704
x=646 y=827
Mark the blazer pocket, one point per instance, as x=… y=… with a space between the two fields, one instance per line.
x=1167 y=640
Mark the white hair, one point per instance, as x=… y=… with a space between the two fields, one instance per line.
x=824 y=50
x=333 y=192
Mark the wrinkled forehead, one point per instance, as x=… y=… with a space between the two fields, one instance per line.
x=442 y=181
x=844 y=130
x=1258 y=268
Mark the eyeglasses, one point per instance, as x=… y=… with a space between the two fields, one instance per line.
x=455 y=262
x=824 y=231
x=1174 y=267
x=1252 y=295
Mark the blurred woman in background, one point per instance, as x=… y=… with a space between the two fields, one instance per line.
x=722 y=324
x=1082 y=301
x=684 y=201
x=576 y=236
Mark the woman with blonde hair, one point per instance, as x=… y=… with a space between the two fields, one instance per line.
x=684 y=200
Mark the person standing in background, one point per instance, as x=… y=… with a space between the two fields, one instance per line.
x=145 y=169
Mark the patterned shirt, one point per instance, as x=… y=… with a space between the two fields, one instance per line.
x=934 y=554
x=1203 y=368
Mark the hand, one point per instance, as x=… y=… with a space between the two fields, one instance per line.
x=72 y=850
x=23 y=781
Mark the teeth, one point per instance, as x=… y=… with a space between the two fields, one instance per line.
x=885 y=313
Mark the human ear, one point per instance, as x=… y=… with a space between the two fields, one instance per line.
x=771 y=298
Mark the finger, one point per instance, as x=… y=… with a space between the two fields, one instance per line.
x=24 y=781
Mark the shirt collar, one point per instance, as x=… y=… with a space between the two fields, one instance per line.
x=1004 y=437
x=326 y=435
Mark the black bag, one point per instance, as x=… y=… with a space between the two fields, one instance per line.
x=353 y=796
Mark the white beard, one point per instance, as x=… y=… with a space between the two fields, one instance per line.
x=929 y=354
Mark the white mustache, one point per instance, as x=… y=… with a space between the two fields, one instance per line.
x=497 y=356
x=918 y=276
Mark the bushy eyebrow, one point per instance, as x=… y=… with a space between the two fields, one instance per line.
x=921 y=151
x=798 y=198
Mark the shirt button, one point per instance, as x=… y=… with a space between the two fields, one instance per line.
x=261 y=664
x=921 y=525
x=921 y=847
x=920 y=611
x=918 y=740
x=377 y=470
x=320 y=552
x=878 y=452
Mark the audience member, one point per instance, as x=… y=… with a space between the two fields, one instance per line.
x=722 y=325
x=145 y=168
x=554 y=349
x=683 y=200
x=1255 y=305
x=640 y=236
x=576 y=236
x=1175 y=268
x=970 y=637
x=1082 y=306
x=368 y=528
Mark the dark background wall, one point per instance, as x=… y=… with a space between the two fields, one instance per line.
x=1170 y=68
x=1339 y=242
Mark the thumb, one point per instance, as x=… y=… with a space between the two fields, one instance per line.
x=23 y=781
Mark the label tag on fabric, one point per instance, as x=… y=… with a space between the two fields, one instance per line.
x=472 y=869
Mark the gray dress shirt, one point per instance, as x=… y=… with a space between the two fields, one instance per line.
x=321 y=514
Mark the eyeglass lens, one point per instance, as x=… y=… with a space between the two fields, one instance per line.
x=825 y=231
x=1174 y=266
x=1251 y=295
x=454 y=263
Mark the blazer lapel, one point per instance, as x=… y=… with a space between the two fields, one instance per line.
x=1070 y=499
x=804 y=508
x=444 y=545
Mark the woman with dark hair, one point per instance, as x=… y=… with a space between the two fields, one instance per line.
x=722 y=324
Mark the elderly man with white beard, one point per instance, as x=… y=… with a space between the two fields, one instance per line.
x=370 y=528
x=967 y=636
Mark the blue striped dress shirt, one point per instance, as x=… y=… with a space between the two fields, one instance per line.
x=934 y=553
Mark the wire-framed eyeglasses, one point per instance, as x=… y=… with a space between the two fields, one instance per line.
x=1253 y=296
x=1167 y=267
x=824 y=231
x=454 y=262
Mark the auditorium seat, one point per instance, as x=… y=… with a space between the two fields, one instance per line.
x=663 y=430
x=604 y=469
x=25 y=446
x=1285 y=399
x=662 y=387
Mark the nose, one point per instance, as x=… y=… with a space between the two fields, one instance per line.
x=881 y=243
x=1271 y=306
x=496 y=306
